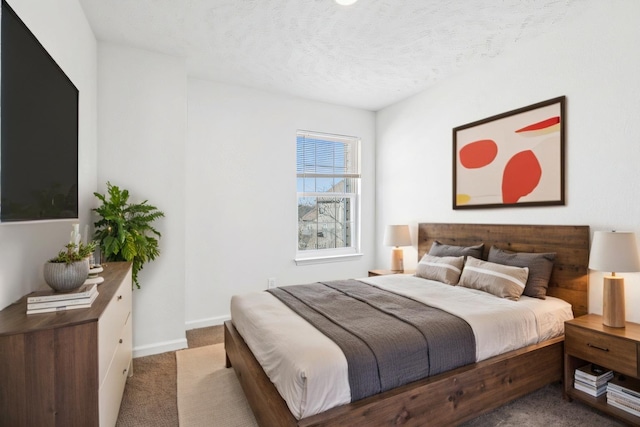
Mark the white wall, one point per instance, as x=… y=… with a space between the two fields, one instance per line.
x=63 y=30
x=594 y=62
x=225 y=178
x=241 y=193
x=141 y=132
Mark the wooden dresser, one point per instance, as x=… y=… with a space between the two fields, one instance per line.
x=68 y=368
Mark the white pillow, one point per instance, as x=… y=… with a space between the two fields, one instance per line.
x=500 y=280
x=444 y=269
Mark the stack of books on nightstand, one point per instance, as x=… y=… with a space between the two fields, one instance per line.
x=50 y=301
x=592 y=379
x=624 y=393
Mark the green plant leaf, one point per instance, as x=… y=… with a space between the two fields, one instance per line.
x=110 y=246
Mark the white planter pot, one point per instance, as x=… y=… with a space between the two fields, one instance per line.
x=63 y=277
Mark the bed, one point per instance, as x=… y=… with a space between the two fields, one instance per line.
x=455 y=396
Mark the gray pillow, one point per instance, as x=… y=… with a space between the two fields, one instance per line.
x=539 y=264
x=440 y=249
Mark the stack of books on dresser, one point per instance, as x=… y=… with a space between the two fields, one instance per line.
x=592 y=379
x=624 y=393
x=50 y=301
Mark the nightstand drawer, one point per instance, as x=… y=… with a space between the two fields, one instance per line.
x=617 y=353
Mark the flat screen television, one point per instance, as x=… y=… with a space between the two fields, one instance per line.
x=39 y=129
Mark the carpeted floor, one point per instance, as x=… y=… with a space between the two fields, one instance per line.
x=151 y=395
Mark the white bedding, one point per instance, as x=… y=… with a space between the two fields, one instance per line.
x=310 y=371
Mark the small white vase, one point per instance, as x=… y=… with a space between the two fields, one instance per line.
x=63 y=277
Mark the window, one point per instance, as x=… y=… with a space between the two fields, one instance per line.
x=328 y=186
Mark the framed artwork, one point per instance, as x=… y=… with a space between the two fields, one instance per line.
x=512 y=159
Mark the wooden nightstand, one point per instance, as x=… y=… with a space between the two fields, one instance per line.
x=587 y=340
x=373 y=273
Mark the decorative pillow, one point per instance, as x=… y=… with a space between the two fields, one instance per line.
x=440 y=249
x=500 y=280
x=443 y=269
x=539 y=264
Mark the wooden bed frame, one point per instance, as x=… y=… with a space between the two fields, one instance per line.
x=464 y=393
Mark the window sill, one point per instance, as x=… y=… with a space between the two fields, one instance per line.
x=326 y=259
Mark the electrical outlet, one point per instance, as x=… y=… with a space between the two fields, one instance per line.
x=271 y=282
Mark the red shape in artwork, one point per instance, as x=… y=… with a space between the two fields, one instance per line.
x=478 y=154
x=541 y=125
x=521 y=176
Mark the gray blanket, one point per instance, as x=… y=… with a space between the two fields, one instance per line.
x=388 y=339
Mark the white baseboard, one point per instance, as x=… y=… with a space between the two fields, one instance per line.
x=204 y=323
x=162 y=347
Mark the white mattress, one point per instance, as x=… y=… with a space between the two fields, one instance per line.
x=310 y=371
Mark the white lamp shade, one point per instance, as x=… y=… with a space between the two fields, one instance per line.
x=615 y=251
x=397 y=235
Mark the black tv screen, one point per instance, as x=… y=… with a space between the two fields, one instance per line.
x=39 y=129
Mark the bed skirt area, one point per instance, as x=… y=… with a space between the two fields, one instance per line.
x=446 y=399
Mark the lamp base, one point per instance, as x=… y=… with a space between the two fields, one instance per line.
x=397 y=260
x=613 y=302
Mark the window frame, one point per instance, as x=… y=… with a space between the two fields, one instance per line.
x=314 y=256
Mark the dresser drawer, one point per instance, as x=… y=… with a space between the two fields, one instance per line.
x=110 y=325
x=111 y=389
x=609 y=351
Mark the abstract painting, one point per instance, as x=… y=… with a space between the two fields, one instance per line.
x=512 y=159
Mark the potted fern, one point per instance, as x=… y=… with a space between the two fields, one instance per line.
x=125 y=231
x=69 y=269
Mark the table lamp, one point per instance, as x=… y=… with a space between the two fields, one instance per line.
x=397 y=235
x=614 y=251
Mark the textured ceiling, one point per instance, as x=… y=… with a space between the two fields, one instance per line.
x=368 y=55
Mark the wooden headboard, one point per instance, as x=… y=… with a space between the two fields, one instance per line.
x=569 y=278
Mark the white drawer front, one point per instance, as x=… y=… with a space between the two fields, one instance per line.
x=110 y=394
x=110 y=326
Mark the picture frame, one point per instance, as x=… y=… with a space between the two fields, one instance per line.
x=513 y=159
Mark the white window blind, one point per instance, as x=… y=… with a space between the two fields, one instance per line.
x=328 y=187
